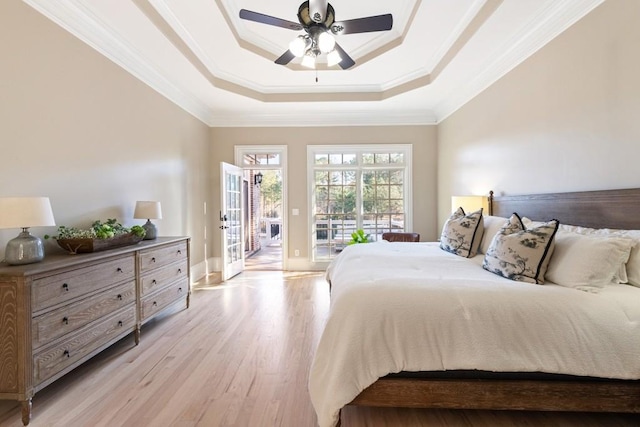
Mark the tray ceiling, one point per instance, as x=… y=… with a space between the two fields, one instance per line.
x=202 y=56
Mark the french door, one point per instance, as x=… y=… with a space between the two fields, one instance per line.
x=231 y=220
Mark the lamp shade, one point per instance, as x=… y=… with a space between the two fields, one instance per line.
x=147 y=210
x=24 y=212
x=470 y=203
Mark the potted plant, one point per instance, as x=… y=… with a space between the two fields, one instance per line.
x=100 y=236
x=359 y=236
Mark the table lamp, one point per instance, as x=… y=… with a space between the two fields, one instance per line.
x=470 y=204
x=148 y=210
x=25 y=212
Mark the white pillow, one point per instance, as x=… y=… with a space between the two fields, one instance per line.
x=492 y=224
x=632 y=264
x=587 y=261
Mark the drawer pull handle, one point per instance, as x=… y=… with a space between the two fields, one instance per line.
x=119 y=270
x=179 y=252
x=179 y=271
x=66 y=353
x=119 y=297
x=65 y=287
x=153 y=281
x=65 y=320
x=153 y=259
x=180 y=290
x=120 y=323
x=155 y=304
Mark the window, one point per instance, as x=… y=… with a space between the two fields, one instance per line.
x=354 y=187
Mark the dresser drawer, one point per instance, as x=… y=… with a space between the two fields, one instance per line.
x=62 y=287
x=161 y=277
x=53 y=360
x=156 y=302
x=153 y=258
x=68 y=318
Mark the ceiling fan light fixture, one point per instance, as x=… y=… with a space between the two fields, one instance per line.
x=299 y=46
x=326 y=42
x=309 y=60
x=333 y=58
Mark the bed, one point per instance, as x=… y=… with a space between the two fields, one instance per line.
x=409 y=325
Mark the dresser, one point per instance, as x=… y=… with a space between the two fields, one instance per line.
x=58 y=313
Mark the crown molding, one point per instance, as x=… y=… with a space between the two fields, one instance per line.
x=325 y=119
x=554 y=19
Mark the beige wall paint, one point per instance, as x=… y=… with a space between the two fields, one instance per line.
x=77 y=128
x=567 y=119
x=422 y=138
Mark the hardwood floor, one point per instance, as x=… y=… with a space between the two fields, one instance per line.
x=238 y=357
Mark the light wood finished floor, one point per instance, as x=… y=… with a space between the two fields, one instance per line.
x=238 y=357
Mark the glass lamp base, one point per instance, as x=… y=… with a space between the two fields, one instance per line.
x=24 y=249
x=151 y=230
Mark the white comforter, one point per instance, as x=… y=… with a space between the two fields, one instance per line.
x=413 y=307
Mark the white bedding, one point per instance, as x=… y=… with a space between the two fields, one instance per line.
x=413 y=307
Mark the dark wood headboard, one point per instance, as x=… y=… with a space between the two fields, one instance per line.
x=597 y=209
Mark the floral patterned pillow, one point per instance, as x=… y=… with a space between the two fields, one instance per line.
x=521 y=254
x=462 y=233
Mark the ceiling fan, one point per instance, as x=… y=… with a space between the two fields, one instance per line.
x=317 y=19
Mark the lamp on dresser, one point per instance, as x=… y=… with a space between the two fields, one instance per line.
x=148 y=210
x=25 y=212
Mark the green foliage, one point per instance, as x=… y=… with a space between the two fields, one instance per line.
x=99 y=230
x=358 y=236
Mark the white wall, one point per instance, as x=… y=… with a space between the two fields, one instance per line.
x=77 y=128
x=567 y=119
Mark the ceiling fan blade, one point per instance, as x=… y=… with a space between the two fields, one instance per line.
x=269 y=20
x=285 y=58
x=363 y=25
x=347 y=61
x=318 y=10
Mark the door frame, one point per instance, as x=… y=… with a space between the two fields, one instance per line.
x=240 y=152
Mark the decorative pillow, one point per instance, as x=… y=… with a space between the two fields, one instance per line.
x=492 y=224
x=462 y=233
x=521 y=254
x=587 y=261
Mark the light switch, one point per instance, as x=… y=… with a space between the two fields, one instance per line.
x=295 y=211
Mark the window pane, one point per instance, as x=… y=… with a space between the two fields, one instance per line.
x=350 y=177
x=396 y=206
x=336 y=178
x=322 y=177
x=382 y=158
x=349 y=199
x=349 y=159
x=335 y=159
x=382 y=192
x=397 y=158
x=322 y=199
x=396 y=177
x=322 y=159
x=367 y=158
x=368 y=206
x=395 y=192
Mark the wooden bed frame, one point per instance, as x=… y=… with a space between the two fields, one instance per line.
x=597 y=209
